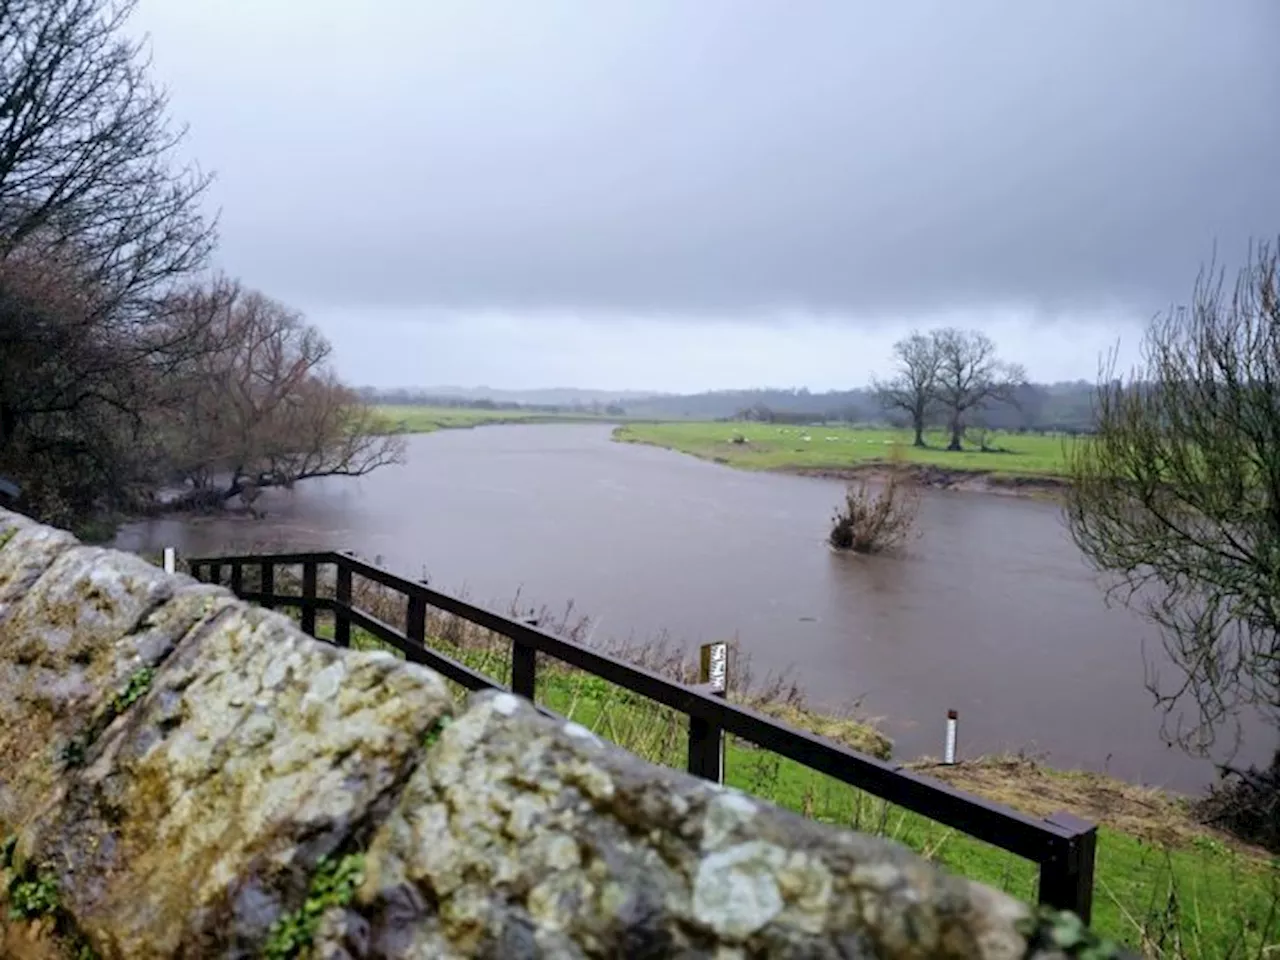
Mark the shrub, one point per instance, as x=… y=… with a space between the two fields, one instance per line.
x=1246 y=804
x=872 y=522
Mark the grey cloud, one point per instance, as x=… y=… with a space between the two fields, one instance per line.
x=730 y=155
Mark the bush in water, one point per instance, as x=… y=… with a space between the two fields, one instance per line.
x=871 y=522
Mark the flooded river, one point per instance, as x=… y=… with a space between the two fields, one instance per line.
x=991 y=612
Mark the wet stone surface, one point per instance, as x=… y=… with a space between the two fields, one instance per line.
x=69 y=645
x=524 y=837
x=255 y=751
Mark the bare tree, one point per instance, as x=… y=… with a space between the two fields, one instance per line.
x=914 y=387
x=86 y=153
x=96 y=224
x=1178 y=495
x=970 y=376
x=259 y=407
x=72 y=394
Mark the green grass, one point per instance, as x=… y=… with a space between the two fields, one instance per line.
x=772 y=447
x=415 y=419
x=1194 y=897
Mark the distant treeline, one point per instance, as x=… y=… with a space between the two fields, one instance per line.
x=402 y=397
x=1057 y=407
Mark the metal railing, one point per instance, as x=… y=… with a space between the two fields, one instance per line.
x=1062 y=845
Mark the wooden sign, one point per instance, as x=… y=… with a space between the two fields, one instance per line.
x=714 y=668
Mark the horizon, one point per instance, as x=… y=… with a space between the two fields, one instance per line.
x=457 y=391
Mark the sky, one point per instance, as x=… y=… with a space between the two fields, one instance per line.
x=676 y=195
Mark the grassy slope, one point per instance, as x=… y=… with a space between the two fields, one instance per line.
x=1163 y=883
x=772 y=447
x=415 y=419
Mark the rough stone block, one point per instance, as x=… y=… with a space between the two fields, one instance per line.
x=27 y=550
x=256 y=751
x=522 y=837
x=68 y=649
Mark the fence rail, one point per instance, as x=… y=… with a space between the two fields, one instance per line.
x=1062 y=845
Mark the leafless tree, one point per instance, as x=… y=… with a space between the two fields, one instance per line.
x=914 y=386
x=969 y=376
x=1178 y=495
x=258 y=405
x=73 y=394
x=96 y=224
x=87 y=154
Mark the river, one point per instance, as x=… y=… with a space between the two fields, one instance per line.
x=991 y=612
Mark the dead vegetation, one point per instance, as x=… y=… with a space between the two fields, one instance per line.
x=1246 y=803
x=776 y=694
x=1026 y=784
x=872 y=520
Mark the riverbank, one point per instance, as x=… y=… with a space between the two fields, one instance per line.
x=427 y=419
x=1015 y=464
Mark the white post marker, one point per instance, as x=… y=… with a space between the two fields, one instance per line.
x=170 y=560
x=949 y=752
x=713 y=673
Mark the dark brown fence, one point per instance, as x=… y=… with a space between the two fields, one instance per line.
x=1063 y=845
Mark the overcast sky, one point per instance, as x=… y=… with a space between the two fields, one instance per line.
x=679 y=195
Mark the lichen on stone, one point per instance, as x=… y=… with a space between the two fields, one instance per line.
x=517 y=834
x=68 y=648
x=30 y=551
x=256 y=752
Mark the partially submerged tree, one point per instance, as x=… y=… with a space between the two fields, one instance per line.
x=872 y=520
x=74 y=393
x=1178 y=495
x=969 y=376
x=913 y=388
x=258 y=405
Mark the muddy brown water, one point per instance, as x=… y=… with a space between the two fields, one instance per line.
x=990 y=612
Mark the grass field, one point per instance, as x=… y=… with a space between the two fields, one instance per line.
x=414 y=419
x=1164 y=884
x=771 y=447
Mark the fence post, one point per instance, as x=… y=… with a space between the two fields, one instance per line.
x=706 y=739
x=1066 y=878
x=170 y=560
x=524 y=665
x=309 y=593
x=268 y=584
x=237 y=578
x=342 y=598
x=415 y=621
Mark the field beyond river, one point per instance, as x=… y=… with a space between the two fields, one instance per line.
x=991 y=461
x=1010 y=462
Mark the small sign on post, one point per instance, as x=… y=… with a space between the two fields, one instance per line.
x=713 y=678
x=170 y=560
x=714 y=670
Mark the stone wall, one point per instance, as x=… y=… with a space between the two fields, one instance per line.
x=182 y=774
